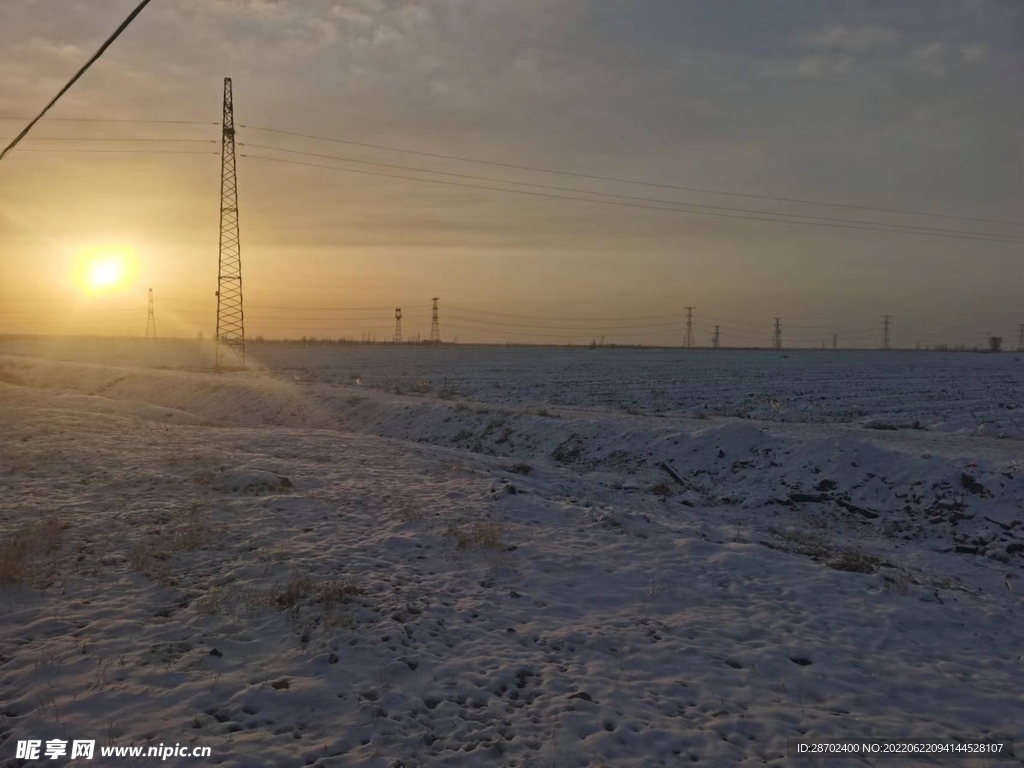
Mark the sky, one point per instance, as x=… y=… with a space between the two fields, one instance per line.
x=914 y=105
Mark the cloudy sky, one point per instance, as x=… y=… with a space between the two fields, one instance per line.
x=914 y=105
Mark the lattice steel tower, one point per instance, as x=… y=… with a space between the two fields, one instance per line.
x=777 y=336
x=230 y=318
x=835 y=341
x=886 y=324
x=688 y=338
x=398 y=325
x=715 y=338
x=151 y=319
x=435 y=325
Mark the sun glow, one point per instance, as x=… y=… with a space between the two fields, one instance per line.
x=106 y=269
x=104 y=274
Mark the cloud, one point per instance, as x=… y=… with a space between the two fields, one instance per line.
x=853 y=38
x=930 y=58
x=815 y=65
x=974 y=52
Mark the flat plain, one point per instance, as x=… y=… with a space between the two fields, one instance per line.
x=460 y=556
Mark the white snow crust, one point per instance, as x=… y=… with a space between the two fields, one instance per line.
x=374 y=557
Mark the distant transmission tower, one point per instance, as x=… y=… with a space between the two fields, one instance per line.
x=714 y=338
x=151 y=319
x=777 y=336
x=835 y=341
x=435 y=325
x=688 y=338
x=398 y=325
x=886 y=324
x=1020 y=338
x=230 y=319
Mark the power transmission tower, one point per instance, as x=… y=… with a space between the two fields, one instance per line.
x=835 y=341
x=230 y=318
x=714 y=338
x=398 y=325
x=1020 y=338
x=886 y=324
x=688 y=338
x=777 y=336
x=151 y=319
x=435 y=326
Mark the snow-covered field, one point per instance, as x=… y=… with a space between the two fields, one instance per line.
x=511 y=557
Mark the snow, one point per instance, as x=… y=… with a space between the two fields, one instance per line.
x=294 y=568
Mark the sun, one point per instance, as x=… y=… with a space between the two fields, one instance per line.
x=104 y=269
x=104 y=274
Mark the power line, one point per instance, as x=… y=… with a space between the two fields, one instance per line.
x=675 y=318
x=457 y=316
x=782 y=216
x=123 y=151
x=767 y=217
x=701 y=190
x=471 y=311
x=114 y=120
x=335 y=309
x=580 y=333
x=106 y=44
x=63 y=138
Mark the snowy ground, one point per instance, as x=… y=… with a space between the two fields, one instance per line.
x=297 y=565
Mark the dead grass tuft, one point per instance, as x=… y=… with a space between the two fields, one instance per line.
x=822 y=550
x=192 y=532
x=569 y=450
x=410 y=515
x=203 y=477
x=481 y=535
x=29 y=555
x=151 y=554
x=302 y=587
x=663 y=489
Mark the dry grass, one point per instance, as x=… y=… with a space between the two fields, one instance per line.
x=303 y=587
x=151 y=554
x=28 y=556
x=569 y=450
x=663 y=489
x=143 y=554
x=311 y=603
x=481 y=535
x=410 y=515
x=203 y=477
x=193 y=531
x=824 y=551
x=308 y=602
x=233 y=600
